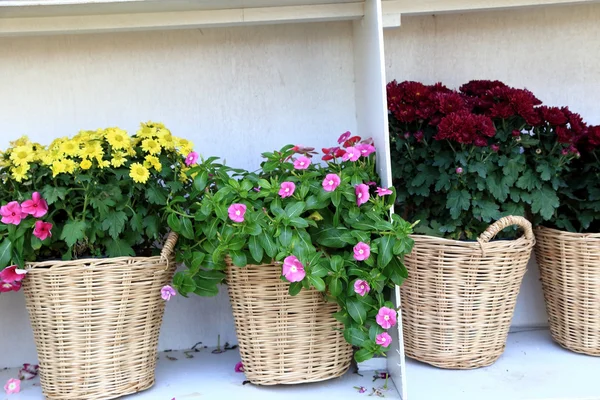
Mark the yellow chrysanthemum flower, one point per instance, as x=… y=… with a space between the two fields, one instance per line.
x=70 y=148
x=118 y=159
x=118 y=138
x=183 y=178
x=19 y=173
x=22 y=141
x=22 y=155
x=151 y=146
x=86 y=164
x=184 y=145
x=58 y=167
x=92 y=149
x=139 y=173
x=154 y=162
x=70 y=165
x=104 y=164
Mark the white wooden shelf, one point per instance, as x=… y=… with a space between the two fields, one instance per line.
x=414 y=7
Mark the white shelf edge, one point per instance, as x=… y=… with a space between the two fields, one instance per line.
x=413 y=7
x=63 y=24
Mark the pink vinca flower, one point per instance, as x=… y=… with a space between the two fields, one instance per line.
x=236 y=212
x=352 y=154
x=12 y=213
x=330 y=182
x=383 y=339
x=287 y=189
x=167 y=292
x=293 y=270
x=12 y=274
x=191 y=158
x=42 y=230
x=36 y=207
x=13 y=386
x=362 y=194
x=361 y=287
x=362 y=251
x=343 y=137
x=29 y=371
x=302 y=162
x=383 y=191
x=9 y=287
x=386 y=317
x=365 y=149
x=239 y=367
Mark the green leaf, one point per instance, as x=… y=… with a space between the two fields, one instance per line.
x=319 y=270
x=458 y=200
x=72 y=232
x=386 y=250
x=544 y=202
x=295 y=288
x=156 y=195
x=299 y=222
x=545 y=170
x=285 y=238
x=335 y=286
x=5 y=253
x=184 y=283
x=136 y=222
x=363 y=355
x=186 y=228
x=317 y=283
x=294 y=210
x=528 y=181
x=151 y=224
x=206 y=288
x=337 y=263
x=336 y=198
x=200 y=181
x=396 y=271
x=268 y=244
x=334 y=237
x=478 y=167
x=354 y=336
x=497 y=187
x=52 y=193
x=119 y=248
x=196 y=261
x=357 y=311
x=174 y=223
x=114 y=223
x=255 y=248
x=239 y=258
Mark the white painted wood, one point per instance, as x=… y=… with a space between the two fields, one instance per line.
x=58 y=17
x=372 y=120
x=408 y=7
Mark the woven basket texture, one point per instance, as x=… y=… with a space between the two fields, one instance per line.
x=284 y=339
x=459 y=298
x=96 y=323
x=570 y=269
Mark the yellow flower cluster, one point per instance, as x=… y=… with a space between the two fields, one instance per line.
x=102 y=148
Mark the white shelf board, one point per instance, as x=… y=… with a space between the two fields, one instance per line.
x=212 y=377
x=44 y=17
x=533 y=367
x=418 y=7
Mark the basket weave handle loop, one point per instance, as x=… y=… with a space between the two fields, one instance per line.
x=169 y=246
x=505 y=222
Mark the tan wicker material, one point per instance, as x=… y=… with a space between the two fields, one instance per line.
x=570 y=269
x=96 y=323
x=284 y=339
x=459 y=298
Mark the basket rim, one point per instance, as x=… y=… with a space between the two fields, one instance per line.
x=575 y=235
x=92 y=260
x=472 y=243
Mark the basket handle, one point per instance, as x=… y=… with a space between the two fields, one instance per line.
x=505 y=222
x=169 y=246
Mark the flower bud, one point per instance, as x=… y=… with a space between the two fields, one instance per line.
x=459 y=170
x=518 y=139
x=538 y=151
x=495 y=148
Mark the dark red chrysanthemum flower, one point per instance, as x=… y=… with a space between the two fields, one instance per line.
x=553 y=115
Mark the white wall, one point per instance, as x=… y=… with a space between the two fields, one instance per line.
x=234 y=92
x=553 y=51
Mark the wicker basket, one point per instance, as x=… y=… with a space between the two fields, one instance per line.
x=570 y=269
x=284 y=339
x=96 y=323
x=459 y=298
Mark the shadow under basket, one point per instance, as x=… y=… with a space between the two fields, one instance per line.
x=459 y=298
x=569 y=266
x=284 y=339
x=96 y=323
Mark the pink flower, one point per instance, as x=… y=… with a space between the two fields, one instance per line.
x=13 y=386
x=42 y=230
x=9 y=287
x=459 y=170
x=12 y=213
x=330 y=182
x=362 y=251
x=302 y=162
x=29 y=371
x=239 y=367
x=361 y=287
x=383 y=339
x=236 y=212
x=12 y=274
x=352 y=154
x=495 y=148
x=362 y=194
x=383 y=191
x=293 y=270
x=167 y=292
x=386 y=318
x=36 y=207
x=191 y=158
x=287 y=189
x=343 y=137
x=365 y=149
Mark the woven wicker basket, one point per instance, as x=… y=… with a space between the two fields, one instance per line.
x=284 y=339
x=96 y=323
x=570 y=269
x=459 y=298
